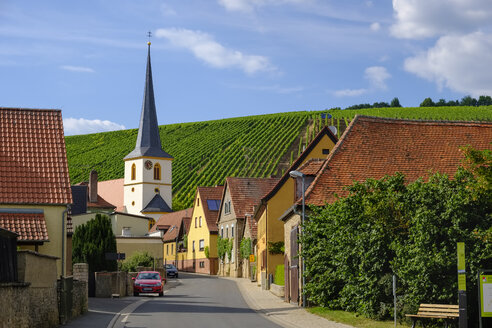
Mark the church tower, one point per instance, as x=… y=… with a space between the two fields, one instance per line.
x=148 y=168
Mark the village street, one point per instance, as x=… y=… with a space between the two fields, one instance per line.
x=190 y=301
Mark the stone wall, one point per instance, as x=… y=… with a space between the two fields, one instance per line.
x=40 y=271
x=31 y=302
x=109 y=283
x=80 y=298
x=14 y=302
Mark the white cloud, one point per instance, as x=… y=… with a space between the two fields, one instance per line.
x=375 y=26
x=80 y=69
x=377 y=76
x=461 y=63
x=204 y=47
x=74 y=126
x=417 y=19
x=350 y=92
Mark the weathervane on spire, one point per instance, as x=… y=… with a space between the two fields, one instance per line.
x=149 y=35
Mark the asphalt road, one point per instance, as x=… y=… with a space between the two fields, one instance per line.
x=190 y=301
x=198 y=301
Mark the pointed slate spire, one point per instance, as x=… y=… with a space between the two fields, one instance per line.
x=148 y=139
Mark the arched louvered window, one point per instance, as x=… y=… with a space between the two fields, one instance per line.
x=134 y=171
x=157 y=171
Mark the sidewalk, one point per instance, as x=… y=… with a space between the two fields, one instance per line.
x=275 y=309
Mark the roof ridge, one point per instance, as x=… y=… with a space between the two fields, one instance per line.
x=420 y=121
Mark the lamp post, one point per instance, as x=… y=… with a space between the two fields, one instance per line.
x=296 y=175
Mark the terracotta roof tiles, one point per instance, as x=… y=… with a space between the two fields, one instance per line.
x=374 y=147
x=170 y=219
x=31 y=227
x=312 y=166
x=33 y=161
x=246 y=193
x=210 y=193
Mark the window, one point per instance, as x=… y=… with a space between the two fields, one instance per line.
x=325 y=151
x=134 y=171
x=213 y=204
x=232 y=231
x=167 y=249
x=157 y=171
x=222 y=232
x=151 y=223
x=227 y=232
x=172 y=249
x=202 y=264
x=196 y=222
x=198 y=202
x=200 y=221
x=227 y=207
x=201 y=244
x=193 y=246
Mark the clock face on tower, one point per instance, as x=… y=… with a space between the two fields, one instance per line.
x=148 y=164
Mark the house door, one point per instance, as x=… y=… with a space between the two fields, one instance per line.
x=286 y=279
x=294 y=266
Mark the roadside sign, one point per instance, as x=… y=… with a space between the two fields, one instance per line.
x=115 y=256
x=461 y=267
x=486 y=295
x=251 y=258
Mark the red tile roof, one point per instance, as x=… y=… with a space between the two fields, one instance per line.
x=31 y=227
x=207 y=193
x=374 y=147
x=169 y=219
x=33 y=160
x=246 y=193
x=312 y=166
x=112 y=192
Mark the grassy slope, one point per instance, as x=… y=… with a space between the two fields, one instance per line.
x=207 y=152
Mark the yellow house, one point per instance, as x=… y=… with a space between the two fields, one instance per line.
x=203 y=231
x=173 y=229
x=34 y=182
x=274 y=204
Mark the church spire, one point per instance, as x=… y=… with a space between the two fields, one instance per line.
x=148 y=139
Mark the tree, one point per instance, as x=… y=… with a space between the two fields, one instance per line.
x=468 y=101
x=427 y=103
x=91 y=241
x=395 y=102
x=484 y=101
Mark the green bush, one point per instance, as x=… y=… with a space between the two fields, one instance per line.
x=245 y=248
x=279 y=278
x=353 y=246
x=137 y=259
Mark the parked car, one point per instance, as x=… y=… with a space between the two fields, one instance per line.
x=148 y=282
x=171 y=271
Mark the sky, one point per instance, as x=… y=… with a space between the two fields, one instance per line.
x=214 y=59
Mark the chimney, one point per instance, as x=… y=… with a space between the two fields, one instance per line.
x=93 y=187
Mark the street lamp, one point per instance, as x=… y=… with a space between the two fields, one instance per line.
x=295 y=175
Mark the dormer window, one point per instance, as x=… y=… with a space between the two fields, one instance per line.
x=157 y=171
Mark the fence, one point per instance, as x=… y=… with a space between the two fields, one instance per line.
x=8 y=256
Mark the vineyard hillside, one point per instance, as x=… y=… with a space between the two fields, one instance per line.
x=205 y=153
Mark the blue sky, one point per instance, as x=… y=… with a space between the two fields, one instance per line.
x=214 y=59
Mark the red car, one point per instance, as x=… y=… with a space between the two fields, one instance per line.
x=148 y=282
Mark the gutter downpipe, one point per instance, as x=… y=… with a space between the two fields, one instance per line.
x=63 y=241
